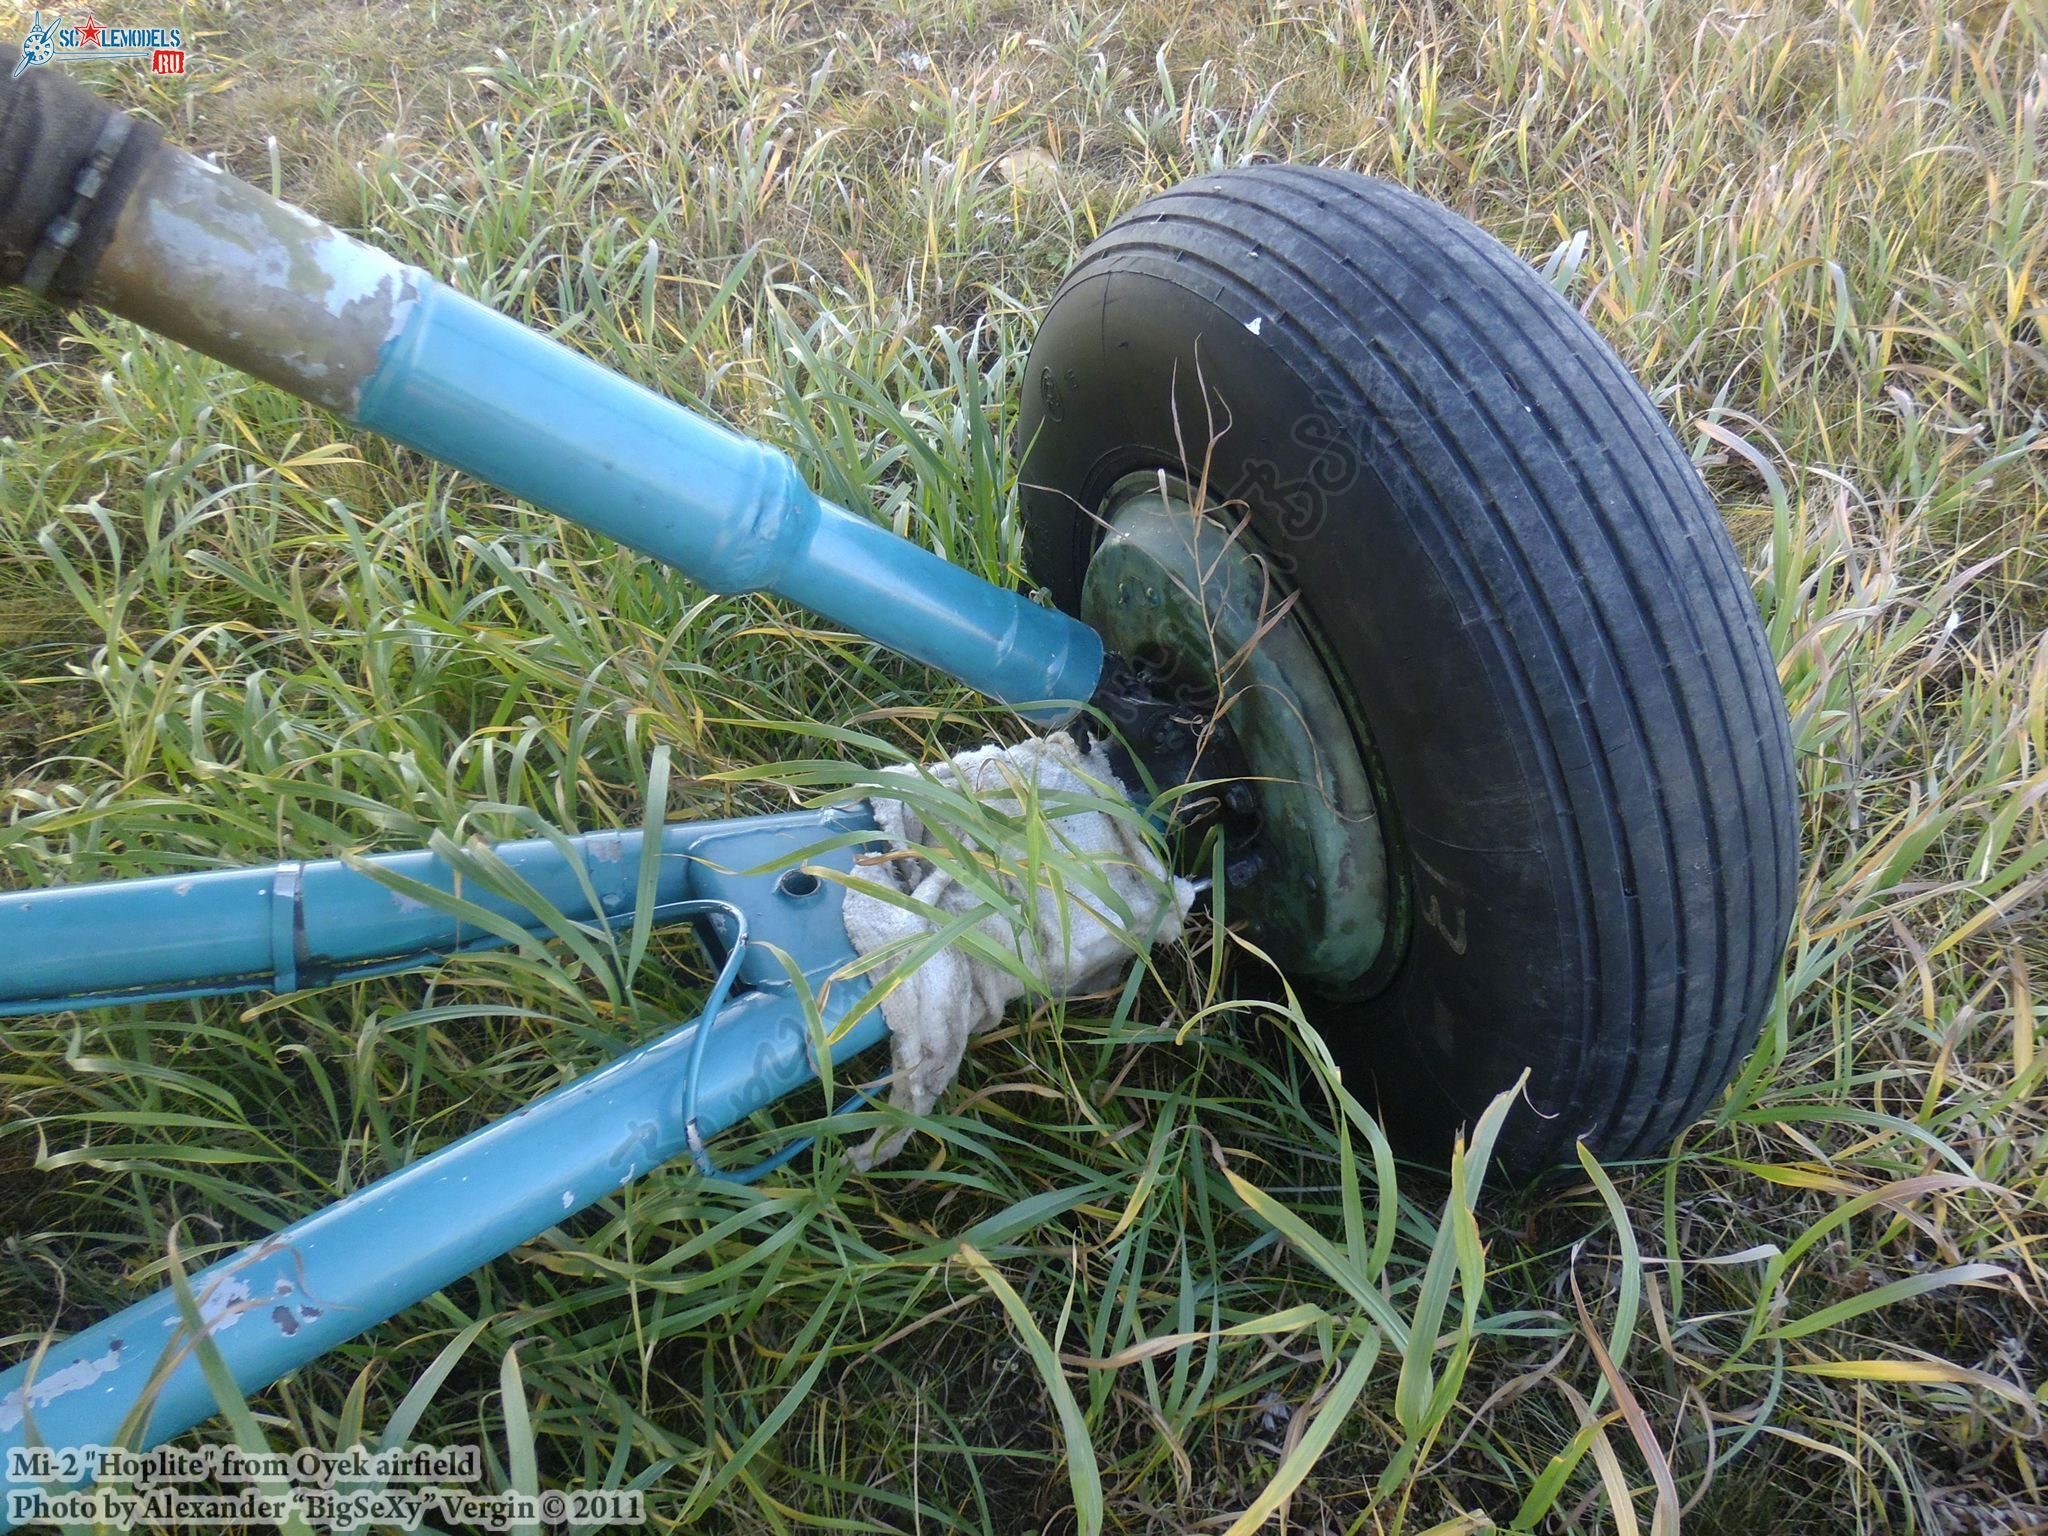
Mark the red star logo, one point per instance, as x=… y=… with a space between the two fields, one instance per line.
x=89 y=34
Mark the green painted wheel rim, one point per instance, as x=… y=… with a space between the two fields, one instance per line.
x=1194 y=601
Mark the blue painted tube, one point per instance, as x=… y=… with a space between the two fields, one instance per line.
x=283 y=927
x=465 y=385
x=283 y=1301
x=226 y=268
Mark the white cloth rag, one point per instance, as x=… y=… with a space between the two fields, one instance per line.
x=1071 y=942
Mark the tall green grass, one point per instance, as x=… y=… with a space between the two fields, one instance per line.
x=1153 y=1269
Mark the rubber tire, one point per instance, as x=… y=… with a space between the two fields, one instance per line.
x=1532 y=600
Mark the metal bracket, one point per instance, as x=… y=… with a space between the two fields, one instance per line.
x=289 y=1298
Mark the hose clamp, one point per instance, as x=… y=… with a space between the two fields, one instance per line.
x=62 y=232
x=287 y=926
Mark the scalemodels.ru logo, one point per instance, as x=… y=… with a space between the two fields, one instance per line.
x=56 y=41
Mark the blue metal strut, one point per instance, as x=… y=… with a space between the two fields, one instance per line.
x=221 y=266
x=289 y=1298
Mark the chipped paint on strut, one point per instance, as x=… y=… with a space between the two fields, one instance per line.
x=220 y=1307
x=233 y=272
x=209 y=260
x=74 y=1376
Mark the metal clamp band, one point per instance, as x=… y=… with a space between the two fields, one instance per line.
x=287 y=927
x=62 y=232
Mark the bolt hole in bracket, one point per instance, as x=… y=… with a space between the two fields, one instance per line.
x=798 y=885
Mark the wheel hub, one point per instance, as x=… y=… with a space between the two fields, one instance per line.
x=1193 y=605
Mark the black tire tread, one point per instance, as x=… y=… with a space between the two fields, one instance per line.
x=1574 y=516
